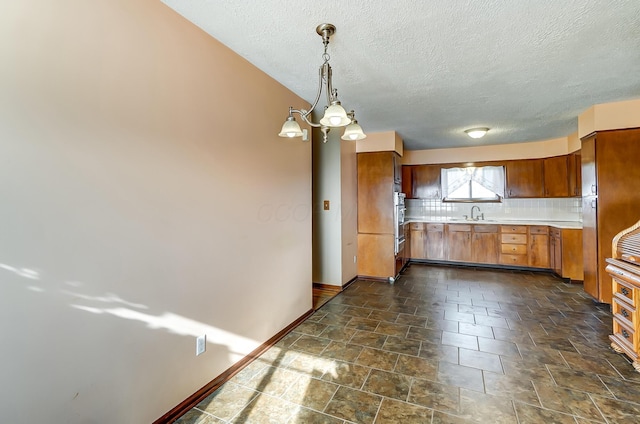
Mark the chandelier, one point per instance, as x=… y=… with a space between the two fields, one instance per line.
x=334 y=115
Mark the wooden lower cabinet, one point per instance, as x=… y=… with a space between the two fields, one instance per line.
x=376 y=257
x=458 y=242
x=427 y=241
x=485 y=244
x=513 y=245
x=565 y=253
x=417 y=239
x=555 y=250
x=533 y=246
x=434 y=242
x=538 y=246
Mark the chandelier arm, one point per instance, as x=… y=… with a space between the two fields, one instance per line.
x=318 y=94
x=327 y=74
x=304 y=114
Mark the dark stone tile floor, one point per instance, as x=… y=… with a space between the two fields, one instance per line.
x=441 y=345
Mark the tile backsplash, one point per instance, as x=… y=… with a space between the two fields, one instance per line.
x=557 y=209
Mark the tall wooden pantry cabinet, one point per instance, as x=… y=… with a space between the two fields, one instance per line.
x=610 y=200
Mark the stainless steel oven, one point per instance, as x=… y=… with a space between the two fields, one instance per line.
x=398 y=216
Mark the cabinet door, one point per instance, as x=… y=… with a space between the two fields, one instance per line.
x=539 y=246
x=397 y=169
x=434 y=241
x=572 y=261
x=524 y=178
x=375 y=193
x=485 y=247
x=426 y=182
x=407 y=180
x=555 y=251
x=407 y=243
x=539 y=251
x=574 y=166
x=589 y=217
x=417 y=244
x=459 y=243
x=588 y=165
x=556 y=177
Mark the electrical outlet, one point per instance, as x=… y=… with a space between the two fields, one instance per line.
x=326 y=205
x=201 y=344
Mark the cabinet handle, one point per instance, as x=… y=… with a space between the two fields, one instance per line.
x=625 y=313
x=624 y=291
x=594 y=189
x=625 y=334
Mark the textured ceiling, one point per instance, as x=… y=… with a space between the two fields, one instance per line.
x=431 y=69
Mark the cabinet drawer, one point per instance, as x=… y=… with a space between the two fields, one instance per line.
x=520 y=260
x=435 y=227
x=538 y=229
x=517 y=229
x=625 y=291
x=416 y=226
x=452 y=228
x=485 y=228
x=514 y=249
x=514 y=238
x=555 y=232
x=625 y=313
x=625 y=334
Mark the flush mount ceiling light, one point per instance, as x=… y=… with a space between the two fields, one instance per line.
x=334 y=114
x=476 y=132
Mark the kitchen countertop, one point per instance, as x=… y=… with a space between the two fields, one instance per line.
x=556 y=224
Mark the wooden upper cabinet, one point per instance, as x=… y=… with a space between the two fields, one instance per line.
x=375 y=192
x=574 y=167
x=556 y=176
x=426 y=182
x=588 y=162
x=524 y=178
x=407 y=180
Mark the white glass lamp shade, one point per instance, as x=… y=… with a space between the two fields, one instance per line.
x=335 y=116
x=290 y=128
x=353 y=132
x=477 y=132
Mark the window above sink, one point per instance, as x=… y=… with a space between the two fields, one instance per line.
x=473 y=184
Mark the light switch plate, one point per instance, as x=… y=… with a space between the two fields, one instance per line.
x=326 y=205
x=201 y=344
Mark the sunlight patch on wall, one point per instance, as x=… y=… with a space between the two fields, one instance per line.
x=22 y=272
x=238 y=346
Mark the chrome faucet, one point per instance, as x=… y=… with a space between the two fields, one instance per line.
x=480 y=215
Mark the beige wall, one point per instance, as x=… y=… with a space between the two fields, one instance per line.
x=349 y=209
x=327 y=225
x=608 y=116
x=335 y=231
x=380 y=142
x=534 y=149
x=145 y=199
